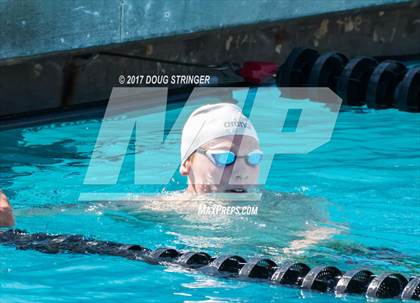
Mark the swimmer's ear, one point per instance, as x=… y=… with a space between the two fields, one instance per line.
x=186 y=166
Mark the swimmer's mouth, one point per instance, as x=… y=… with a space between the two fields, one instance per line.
x=236 y=190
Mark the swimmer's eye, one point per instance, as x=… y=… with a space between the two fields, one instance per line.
x=254 y=158
x=225 y=157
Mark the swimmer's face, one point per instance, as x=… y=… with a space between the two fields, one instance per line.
x=205 y=176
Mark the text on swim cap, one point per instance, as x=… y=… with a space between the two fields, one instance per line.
x=237 y=124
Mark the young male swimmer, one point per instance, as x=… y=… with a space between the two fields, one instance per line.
x=220 y=152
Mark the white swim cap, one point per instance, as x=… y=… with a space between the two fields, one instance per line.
x=212 y=121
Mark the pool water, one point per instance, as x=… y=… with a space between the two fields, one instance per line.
x=361 y=190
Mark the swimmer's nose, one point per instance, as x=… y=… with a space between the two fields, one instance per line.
x=239 y=179
x=240 y=167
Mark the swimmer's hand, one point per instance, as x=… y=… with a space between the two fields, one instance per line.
x=6 y=212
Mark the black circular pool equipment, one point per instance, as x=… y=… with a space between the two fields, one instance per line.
x=358 y=81
x=293 y=274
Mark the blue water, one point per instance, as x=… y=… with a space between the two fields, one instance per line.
x=364 y=185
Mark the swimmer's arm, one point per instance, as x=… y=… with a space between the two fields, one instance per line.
x=6 y=212
x=310 y=238
x=318 y=228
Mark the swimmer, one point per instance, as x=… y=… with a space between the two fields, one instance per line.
x=220 y=153
x=223 y=157
x=220 y=150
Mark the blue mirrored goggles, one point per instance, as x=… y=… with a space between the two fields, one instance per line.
x=225 y=157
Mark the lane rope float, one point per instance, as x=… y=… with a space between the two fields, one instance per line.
x=326 y=70
x=358 y=81
x=382 y=84
x=294 y=72
x=407 y=93
x=290 y=273
x=354 y=80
